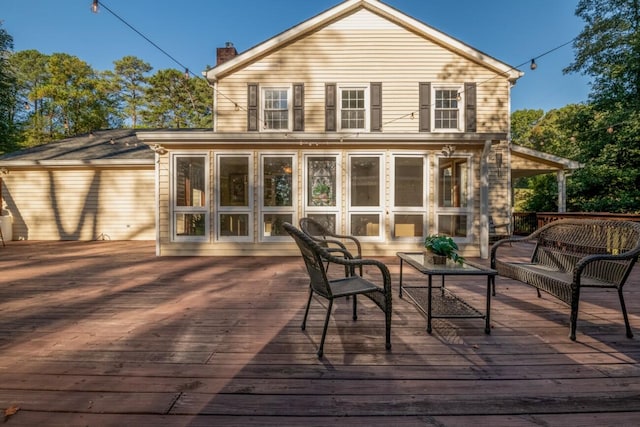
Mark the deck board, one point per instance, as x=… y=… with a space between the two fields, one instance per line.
x=106 y=333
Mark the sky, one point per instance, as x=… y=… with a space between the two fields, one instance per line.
x=512 y=31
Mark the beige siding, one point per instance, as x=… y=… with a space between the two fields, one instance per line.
x=81 y=204
x=361 y=49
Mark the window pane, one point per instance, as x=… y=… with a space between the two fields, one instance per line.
x=453 y=175
x=234 y=189
x=452 y=225
x=446 y=109
x=352 y=115
x=190 y=224
x=190 y=188
x=276 y=109
x=321 y=181
x=276 y=181
x=365 y=225
x=327 y=221
x=408 y=225
x=365 y=181
x=273 y=224
x=234 y=225
x=409 y=182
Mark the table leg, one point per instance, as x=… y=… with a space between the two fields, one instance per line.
x=401 y=277
x=429 y=305
x=487 y=317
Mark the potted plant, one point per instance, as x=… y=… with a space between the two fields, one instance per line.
x=440 y=248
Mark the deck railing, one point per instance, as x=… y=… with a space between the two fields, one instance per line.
x=525 y=223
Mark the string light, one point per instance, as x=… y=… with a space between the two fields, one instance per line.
x=95 y=7
x=533 y=65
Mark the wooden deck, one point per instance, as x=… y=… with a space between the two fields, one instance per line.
x=105 y=333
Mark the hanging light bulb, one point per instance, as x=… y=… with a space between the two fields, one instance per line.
x=533 y=65
x=186 y=73
x=95 y=6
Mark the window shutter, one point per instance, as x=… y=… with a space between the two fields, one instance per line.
x=252 y=107
x=470 y=107
x=425 y=107
x=298 y=106
x=376 y=107
x=330 y=107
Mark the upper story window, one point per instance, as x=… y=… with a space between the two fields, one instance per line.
x=447 y=107
x=446 y=110
x=275 y=108
x=353 y=108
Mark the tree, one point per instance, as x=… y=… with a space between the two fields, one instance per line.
x=31 y=73
x=130 y=83
x=77 y=98
x=7 y=92
x=175 y=101
x=608 y=50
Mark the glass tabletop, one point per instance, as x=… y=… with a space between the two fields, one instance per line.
x=416 y=260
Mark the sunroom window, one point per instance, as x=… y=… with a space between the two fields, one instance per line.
x=365 y=196
x=190 y=196
x=409 y=190
x=454 y=202
x=234 y=184
x=277 y=194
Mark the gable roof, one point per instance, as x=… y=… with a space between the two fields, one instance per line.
x=345 y=9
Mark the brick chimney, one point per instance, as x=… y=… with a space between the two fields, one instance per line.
x=223 y=54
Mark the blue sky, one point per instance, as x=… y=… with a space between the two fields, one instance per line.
x=512 y=31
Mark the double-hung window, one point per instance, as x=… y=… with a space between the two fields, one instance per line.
x=446 y=110
x=190 y=195
x=353 y=102
x=276 y=111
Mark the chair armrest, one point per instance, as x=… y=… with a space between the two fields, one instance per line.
x=501 y=242
x=585 y=261
x=353 y=263
x=353 y=239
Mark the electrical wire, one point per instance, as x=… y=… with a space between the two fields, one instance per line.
x=239 y=106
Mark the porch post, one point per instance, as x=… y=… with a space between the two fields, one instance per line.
x=562 y=191
x=484 y=201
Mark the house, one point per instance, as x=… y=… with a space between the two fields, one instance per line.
x=361 y=117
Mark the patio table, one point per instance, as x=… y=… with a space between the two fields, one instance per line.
x=444 y=304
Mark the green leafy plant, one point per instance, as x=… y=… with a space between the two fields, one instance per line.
x=444 y=246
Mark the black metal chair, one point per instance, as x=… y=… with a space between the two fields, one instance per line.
x=329 y=240
x=314 y=257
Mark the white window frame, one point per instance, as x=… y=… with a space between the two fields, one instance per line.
x=461 y=106
x=367 y=106
x=263 y=99
x=323 y=210
x=286 y=210
x=248 y=210
x=409 y=210
x=200 y=210
x=465 y=210
x=367 y=210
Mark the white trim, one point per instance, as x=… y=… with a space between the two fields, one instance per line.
x=461 y=106
x=367 y=210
